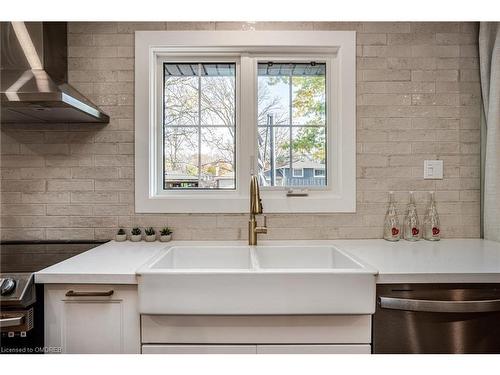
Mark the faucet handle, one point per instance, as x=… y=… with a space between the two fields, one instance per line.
x=262 y=228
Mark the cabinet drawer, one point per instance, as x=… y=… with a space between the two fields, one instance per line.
x=256 y=349
x=313 y=349
x=199 y=349
x=253 y=329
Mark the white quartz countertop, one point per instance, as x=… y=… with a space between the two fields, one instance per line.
x=110 y=263
x=448 y=260
x=445 y=261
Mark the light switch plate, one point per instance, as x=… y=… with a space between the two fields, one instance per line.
x=433 y=169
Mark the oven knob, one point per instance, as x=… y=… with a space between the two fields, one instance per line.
x=8 y=286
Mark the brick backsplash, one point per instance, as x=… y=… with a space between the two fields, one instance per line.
x=418 y=97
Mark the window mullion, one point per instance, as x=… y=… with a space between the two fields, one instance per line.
x=291 y=122
x=199 y=125
x=248 y=129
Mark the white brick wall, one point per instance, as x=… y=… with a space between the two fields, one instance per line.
x=418 y=98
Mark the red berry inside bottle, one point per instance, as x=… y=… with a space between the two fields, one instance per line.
x=395 y=231
x=414 y=231
x=435 y=231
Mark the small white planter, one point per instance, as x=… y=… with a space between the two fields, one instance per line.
x=121 y=237
x=166 y=238
x=150 y=238
x=135 y=237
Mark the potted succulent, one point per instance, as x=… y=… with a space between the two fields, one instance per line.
x=136 y=235
x=150 y=234
x=165 y=234
x=121 y=235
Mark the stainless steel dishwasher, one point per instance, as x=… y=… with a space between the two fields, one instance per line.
x=437 y=318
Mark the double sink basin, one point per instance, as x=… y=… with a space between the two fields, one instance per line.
x=234 y=279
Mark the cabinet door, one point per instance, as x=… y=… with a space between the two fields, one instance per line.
x=313 y=349
x=87 y=322
x=199 y=349
x=92 y=326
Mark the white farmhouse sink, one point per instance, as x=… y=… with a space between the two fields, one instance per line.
x=304 y=257
x=204 y=257
x=227 y=279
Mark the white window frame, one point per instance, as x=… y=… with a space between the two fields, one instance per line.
x=319 y=176
x=298 y=175
x=186 y=58
x=330 y=67
x=152 y=47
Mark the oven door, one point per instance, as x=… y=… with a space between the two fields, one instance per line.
x=437 y=318
x=22 y=329
x=16 y=320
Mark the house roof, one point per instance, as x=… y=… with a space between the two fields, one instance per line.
x=177 y=175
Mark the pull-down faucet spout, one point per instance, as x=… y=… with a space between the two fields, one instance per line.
x=255 y=209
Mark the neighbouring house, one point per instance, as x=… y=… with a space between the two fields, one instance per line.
x=302 y=173
x=176 y=180
x=180 y=180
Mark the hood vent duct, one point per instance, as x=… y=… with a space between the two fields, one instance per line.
x=34 y=76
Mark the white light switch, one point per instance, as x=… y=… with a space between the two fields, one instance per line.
x=433 y=169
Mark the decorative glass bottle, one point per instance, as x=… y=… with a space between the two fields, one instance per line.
x=432 y=229
x=412 y=231
x=392 y=229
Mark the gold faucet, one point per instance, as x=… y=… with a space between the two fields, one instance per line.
x=255 y=209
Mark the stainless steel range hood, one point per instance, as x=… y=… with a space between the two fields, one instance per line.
x=34 y=75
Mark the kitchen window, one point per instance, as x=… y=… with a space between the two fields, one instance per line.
x=199 y=125
x=291 y=99
x=214 y=107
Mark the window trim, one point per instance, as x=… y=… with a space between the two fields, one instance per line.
x=160 y=190
x=318 y=176
x=151 y=44
x=301 y=57
x=298 y=176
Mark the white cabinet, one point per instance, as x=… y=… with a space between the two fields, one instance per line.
x=256 y=349
x=199 y=349
x=84 y=318
x=256 y=329
x=314 y=349
x=261 y=334
x=88 y=318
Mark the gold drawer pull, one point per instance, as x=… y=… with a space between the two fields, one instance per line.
x=71 y=293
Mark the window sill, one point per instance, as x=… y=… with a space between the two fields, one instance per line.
x=315 y=202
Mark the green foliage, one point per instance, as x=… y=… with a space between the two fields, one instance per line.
x=310 y=141
x=136 y=231
x=308 y=101
x=121 y=232
x=150 y=231
x=166 y=231
x=211 y=170
x=192 y=170
x=309 y=96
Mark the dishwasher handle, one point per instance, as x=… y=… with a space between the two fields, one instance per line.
x=420 y=305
